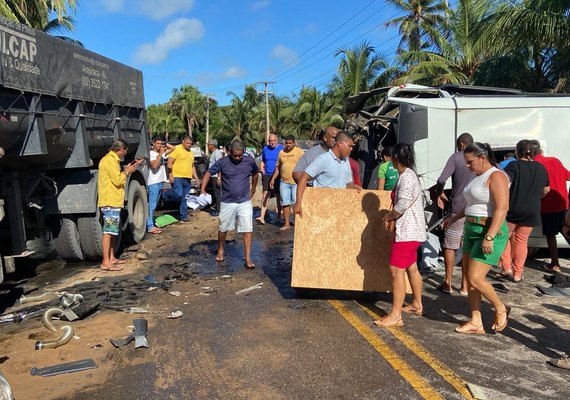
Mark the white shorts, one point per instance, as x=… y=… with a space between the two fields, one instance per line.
x=240 y=212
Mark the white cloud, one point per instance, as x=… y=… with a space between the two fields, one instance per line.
x=258 y=5
x=285 y=54
x=154 y=9
x=112 y=5
x=234 y=72
x=176 y=34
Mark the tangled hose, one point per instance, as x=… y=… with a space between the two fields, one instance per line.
x=67 y=329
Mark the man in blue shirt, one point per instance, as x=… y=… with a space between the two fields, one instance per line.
x=236 y=197
x=269 y=156
x=331 y=169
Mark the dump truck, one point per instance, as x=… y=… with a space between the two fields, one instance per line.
x=61 y=107
x=431 y=118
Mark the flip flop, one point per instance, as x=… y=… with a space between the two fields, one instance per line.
x=518 y=280
x=249 y=265
x=119 y=261
x=382 y=324
x=111 y=269
x=549 y=268
x=284 y=228
x=469 y=328
x=409 y=309
x=155 y=230
x=260 y=221
x=445 y=289
x=218 y=259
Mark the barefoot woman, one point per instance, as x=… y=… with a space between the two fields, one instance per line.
x=486 y=233
x=408 y=215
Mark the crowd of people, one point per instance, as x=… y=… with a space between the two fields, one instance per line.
x=491 y=208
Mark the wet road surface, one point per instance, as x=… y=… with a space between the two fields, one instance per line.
x=275 y=342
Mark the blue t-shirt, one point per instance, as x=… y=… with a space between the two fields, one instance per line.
x=329 y=171
x=269 y=157
x=506 y=162
x=235 y=178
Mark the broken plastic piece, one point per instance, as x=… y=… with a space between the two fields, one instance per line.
x=175 y=293
x=175 y=314
x=66 y=368
x=249 y=289
x=476 y=391
x=141 y=329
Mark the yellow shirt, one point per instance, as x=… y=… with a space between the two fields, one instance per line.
x=111 y=182
x=183 y=162
x=287 y=162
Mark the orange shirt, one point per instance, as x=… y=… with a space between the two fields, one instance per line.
x=286 y=163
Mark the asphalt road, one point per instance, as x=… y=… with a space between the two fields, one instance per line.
x=275 y=342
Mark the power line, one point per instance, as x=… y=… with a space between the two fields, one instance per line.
x=322 y=40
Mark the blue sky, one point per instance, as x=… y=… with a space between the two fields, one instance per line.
x=221 y=45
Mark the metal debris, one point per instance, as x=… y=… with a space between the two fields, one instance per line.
x=249 y=289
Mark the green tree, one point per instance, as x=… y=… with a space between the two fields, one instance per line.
x=460 y=53
x=190 y=105
x=314 y=111
x=533 y=41
x=420 y=27
x=37 y=14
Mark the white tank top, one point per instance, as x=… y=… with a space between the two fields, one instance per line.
x=477 y=195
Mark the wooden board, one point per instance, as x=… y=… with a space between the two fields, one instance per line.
x=341 y=242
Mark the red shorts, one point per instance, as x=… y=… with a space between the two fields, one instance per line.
x=404 y=254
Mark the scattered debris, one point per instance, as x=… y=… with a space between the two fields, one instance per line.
x=175 y=314
x=97 y=346
x=249 y=289
x=5 y=389
x=142 y=255
x=67 y=329
x=47 y=296
x=65 y=368
x=80 y=311
x=139 y=333
x=69 y=300
x=226 y=277
x=175 y=293
x=297 y=306
x=476 y=391
x=141 y=329
x=151 y=288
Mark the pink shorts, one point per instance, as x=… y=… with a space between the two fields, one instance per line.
x=404 y=254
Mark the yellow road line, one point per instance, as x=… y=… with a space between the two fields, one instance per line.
x=410 y=375
x=443 y=370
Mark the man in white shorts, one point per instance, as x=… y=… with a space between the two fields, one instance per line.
x=237 y=192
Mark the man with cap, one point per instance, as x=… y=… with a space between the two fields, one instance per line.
x=215 y=155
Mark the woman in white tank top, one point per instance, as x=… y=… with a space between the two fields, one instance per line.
x=485 y=234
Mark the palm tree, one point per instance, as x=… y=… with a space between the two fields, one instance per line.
x=314 y=111
x=460 y=54
x=533 y=40
x=420 y=27
x=358 y=71
x=37 y=15
x=190 y=105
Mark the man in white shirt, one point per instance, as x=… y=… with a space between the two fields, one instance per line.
x=156 y=177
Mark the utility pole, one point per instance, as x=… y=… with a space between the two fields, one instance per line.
x=266 y=109
x=207 y=121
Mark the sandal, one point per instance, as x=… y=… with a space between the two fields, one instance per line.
x=111 y=268
x=381 y=323
x=155 y=230
x=410 y=309
x=519 y=280
x=445 y=289
x=249 y=265
x=550 y=268
x=507 y=273
x=500 y=327
x=469 y=328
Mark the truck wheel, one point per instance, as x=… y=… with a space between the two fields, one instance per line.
x=137 y=208
x=90 y=234
x=66 y=240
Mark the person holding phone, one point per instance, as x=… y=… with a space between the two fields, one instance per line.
x=111 y=183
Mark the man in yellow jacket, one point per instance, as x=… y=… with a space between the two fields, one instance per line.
x=111 y=198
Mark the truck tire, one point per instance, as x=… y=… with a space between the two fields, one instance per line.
x=137 y=209
x=90 y=235
x=66 y=240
